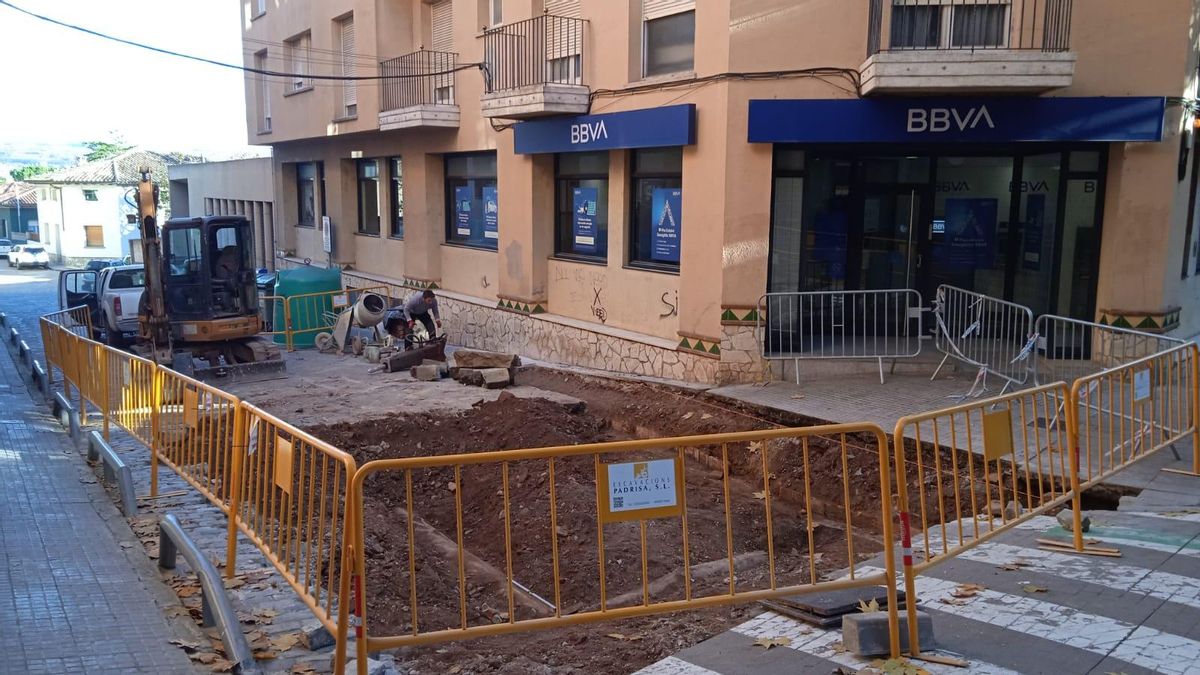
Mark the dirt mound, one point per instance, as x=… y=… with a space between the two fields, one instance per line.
x=507 y=423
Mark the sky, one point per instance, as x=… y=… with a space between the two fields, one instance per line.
x=62 y=86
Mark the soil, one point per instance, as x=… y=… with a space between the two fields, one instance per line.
x=613 y=411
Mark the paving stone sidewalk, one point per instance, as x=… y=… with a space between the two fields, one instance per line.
x=77 y=595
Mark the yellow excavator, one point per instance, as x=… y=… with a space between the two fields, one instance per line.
x=199 y=313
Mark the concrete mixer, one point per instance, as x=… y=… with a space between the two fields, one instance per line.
x=368 y=312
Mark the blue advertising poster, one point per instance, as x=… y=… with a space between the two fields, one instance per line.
x=666 y=207
x=970 y=239
x=463 y=199
x=1035 y=220
x=491 y=213
x=583 y=222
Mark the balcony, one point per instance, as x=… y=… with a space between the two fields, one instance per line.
x=968 y=46
x=420 y=93
x=534 y=68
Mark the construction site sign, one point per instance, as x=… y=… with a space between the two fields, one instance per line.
x=640 y=490
x=1141 y=385
x=997 y=434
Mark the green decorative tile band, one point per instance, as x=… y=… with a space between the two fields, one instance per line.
x=1150 y=322
x=709 y=348
x=741 y=316
x=521 y=307
x=421 y=284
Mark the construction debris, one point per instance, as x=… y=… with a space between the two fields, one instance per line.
x=474 y=358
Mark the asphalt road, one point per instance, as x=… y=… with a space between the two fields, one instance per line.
x=24 y=296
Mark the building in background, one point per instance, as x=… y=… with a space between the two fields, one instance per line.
x=18 y=211
x=243 y=187
x=617 y=184
x=87 y=212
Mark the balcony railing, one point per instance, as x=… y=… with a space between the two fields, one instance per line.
x=546 y=49
x=419 y=78
x=969 y=25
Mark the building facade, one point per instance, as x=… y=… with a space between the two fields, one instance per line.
x=243 y=187
x=18 y=211
x=617 y=184
x=87 y=212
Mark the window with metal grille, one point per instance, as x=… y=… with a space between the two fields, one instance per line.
x=396 y=166
x=93 y=236
x=368 y=196
x=944 y=24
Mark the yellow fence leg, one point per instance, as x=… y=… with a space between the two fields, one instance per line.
x=910 y=584
x=106 y=391
x=241 y=444
x=1072 y=411
x=155 y=422
x=889 y=548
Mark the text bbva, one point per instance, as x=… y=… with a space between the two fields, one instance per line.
x=941 y=120
x=587 y=132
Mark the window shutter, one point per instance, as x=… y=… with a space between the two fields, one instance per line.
x=443 y=26
x=656 y=9
x=349 y=87
x=569 y=8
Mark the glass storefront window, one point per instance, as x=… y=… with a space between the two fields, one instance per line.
x=581 y=200
x=368 y=196
x=1037 y=195
x=656 y=228
x=472 y=205
x=970 y=227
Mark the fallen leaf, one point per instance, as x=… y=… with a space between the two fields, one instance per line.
x=767 y=643
x=899 y=667
x=264 y=655
x=204 y=657
x=235 y=582
x=1032 y=588
x=186 y=645
x=755 y=446
x=955 y=601
x=1014 y=565
x=285 y=642
x=966 y=590
x=761 y=494
x=868 y=607
x=797 y=397
x=305 y=669
x=706 y=416
x=223 y=666
x=177 y=610
x=623 y=637
x=187 y=591
x=838 y=647
x=562 y=531
x=688 y=416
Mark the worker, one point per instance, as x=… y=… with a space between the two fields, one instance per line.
x=227 y=263
x=419 y=307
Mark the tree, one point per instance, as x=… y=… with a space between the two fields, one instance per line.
x=104 y=149
x=23 y=173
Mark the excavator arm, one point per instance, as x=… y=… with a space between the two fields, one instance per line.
x=154 y=322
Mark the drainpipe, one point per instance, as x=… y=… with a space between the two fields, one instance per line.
x=62 y=224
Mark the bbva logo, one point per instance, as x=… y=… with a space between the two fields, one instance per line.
x=588 y=132
x=940 y=120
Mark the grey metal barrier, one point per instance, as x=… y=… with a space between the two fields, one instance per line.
x=115 y=470
x=993 y=335
x=215 y=605
x=1068 y=349
x=879 y=325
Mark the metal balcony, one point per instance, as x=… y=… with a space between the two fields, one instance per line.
x=535 y=68
x=968 y=46
x=420 y=91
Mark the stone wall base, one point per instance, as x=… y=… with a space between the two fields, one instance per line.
x=482 y=327
x=741 y=359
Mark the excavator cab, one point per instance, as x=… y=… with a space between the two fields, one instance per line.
x=209 y=277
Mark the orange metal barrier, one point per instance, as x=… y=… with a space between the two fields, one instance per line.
x=195 y=433
x=266 y=309
x=290 y=495
x=133 y=401
x=728 y=515
x=1015 y=451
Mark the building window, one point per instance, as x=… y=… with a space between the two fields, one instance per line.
x=93 y=236
x=262 y=93
x=345 y=38
x=668 y=37
x=260 y=8
x=581 y=199
x=940 y=26
x=657 y=221
x=368 y=196
x=441 y=25
x=472 y=205
x=90 y=195
x=298 y=50
x=495 y=12
x=397 y=185
x=306 y=194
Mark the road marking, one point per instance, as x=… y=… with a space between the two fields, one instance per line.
x=1126 y=536
x=674 y=666
x=1141 y=646
x=1175 y=588
x=825 y=644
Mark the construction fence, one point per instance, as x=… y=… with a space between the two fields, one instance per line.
x=668 y=526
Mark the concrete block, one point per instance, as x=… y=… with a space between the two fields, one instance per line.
x=474 y=358
x=315 y=636
x=867 y=634
x=496 y=378
x=426 y=373
x=1066 y=519
x=469 y=376
x=373 y=667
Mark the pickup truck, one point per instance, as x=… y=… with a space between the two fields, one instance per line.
x=112 y=294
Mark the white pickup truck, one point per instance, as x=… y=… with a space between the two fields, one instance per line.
x=113 y=294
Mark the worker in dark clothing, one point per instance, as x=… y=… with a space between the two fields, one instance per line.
x=419 y=307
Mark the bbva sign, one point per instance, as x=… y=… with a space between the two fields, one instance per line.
x=587 y=132
x=941 y=120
